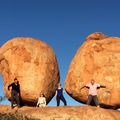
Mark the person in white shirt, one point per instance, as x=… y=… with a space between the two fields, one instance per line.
x=41 y=101
x=93 y=92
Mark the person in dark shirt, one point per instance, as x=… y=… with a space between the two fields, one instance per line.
x=15 y=93
x=59 y=95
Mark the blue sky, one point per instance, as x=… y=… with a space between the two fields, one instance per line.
x=63 y=24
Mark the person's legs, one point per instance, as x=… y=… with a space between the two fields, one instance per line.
x=43 y=105
x=95 y=98
x=58 y=101
x=40 y=105
x=63 y=100
x=17 y=99
x=89 y=99
x=12 y=99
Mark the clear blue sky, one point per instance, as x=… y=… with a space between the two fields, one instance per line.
x=63 y=24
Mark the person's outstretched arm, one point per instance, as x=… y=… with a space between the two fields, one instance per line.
x=102 y=86
x=9 y=86
x=63 y=90
x=56 y=93
x=82 y=87
x=37 y=103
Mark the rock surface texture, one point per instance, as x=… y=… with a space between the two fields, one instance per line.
x=34 y=64
x=99 y=59
x=58 y=113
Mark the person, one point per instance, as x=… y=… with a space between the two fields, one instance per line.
x=41 y=101
x=15 y=93
x=93 y=92
x=59 y=95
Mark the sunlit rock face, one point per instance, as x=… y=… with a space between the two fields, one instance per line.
x=58 y=113
x=34 y=64
x=98 y=58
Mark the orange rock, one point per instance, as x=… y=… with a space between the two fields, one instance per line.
x=96 y=36
x=34 y=64
x=59 y=113
x=97 y=59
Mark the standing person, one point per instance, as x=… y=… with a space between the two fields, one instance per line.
x=41 y=101
x=15 y=93
x=93 y=92
x=59 y=95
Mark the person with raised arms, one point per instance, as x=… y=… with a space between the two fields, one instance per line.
x=92 y=86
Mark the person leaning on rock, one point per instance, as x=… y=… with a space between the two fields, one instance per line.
x=41 y=101
x=59 y=95
x=15 y=93
x=93 y=92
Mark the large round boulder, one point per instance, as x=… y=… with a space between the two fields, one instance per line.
x=98 y=58
x=34 y=64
